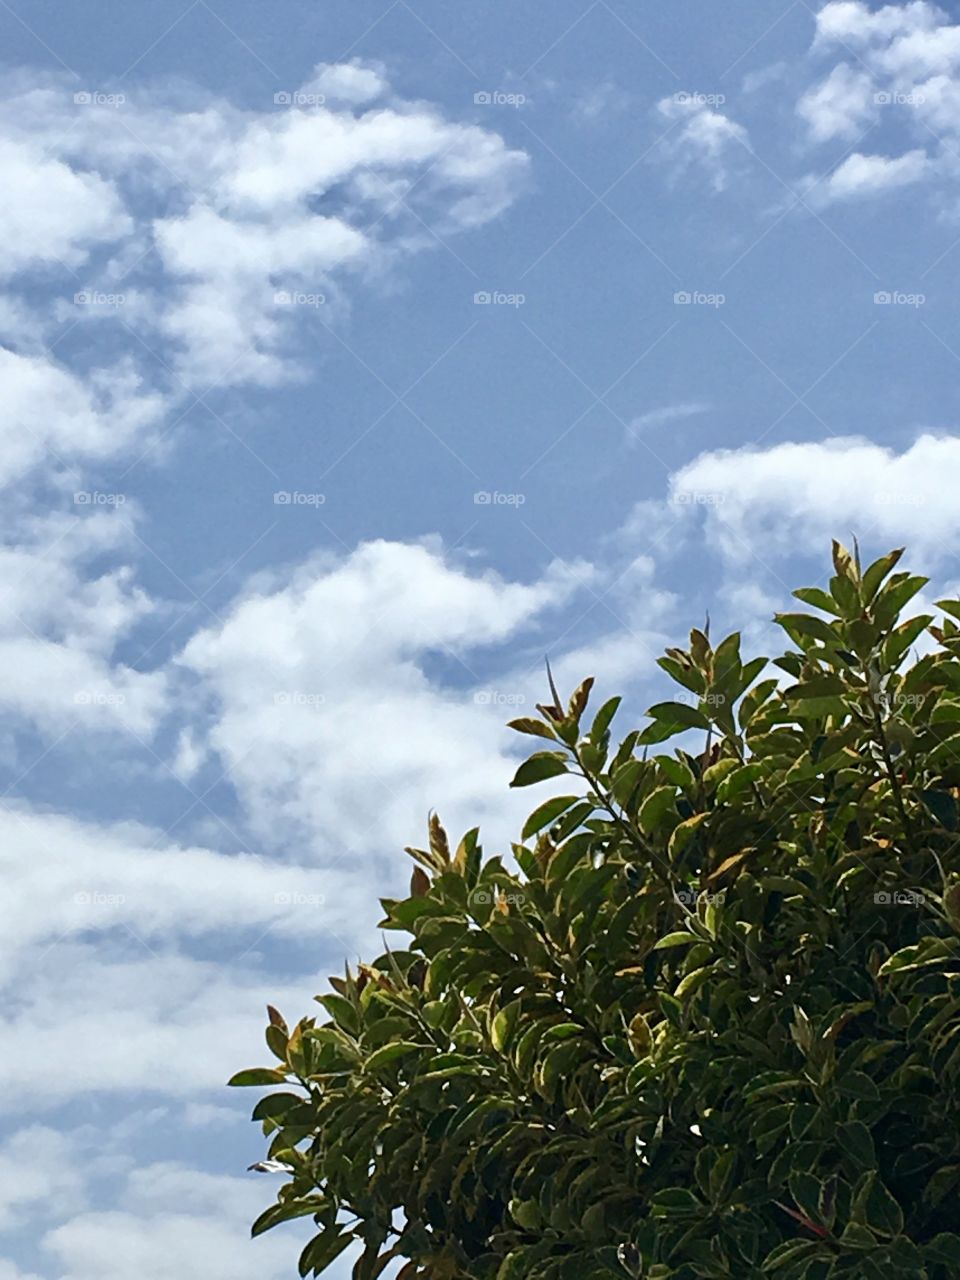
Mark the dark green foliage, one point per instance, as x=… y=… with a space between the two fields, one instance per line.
x=709 y=1028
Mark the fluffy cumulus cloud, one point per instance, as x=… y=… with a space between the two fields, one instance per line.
x=899 y=63
x=172 y=1220
x=212 y=219
x=52 y=214
x=341 y=662
x=186 y=229
x=63 y=617
x=762 y=502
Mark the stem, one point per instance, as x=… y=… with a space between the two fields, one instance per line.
x=625 y=825
x=891 y=770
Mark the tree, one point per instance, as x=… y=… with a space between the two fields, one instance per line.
x=707 y=1026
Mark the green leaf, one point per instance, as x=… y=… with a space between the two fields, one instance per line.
x=257 y=1075
x=738 y=780
x=536 y=728
x=944 y=1249
x=855 y=1140
x=873 y=576
x=546 y=813
x=286 y=1211
x=657 y=805
x=873 y=1206
x=601 y=721
x=678 y=939
x=502 y=1027
x=818 y=598
x=943 y=807
x=388 y=1053
x=675 y=1200
x=541 y=765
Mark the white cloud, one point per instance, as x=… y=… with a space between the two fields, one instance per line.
x=320 y=676
x=142 y=1021
x=769 y=501
x=54 y=420
x=852 y=22
x=666 y=413
x=841 y=106
x=51 y=214
x=354 y=82
x=61 y=623
x=703 y=137
x=907 y=72
x=243 y=204
x=68 y=879
x=174 y=1221
x=859 y=176
x=38 y=1170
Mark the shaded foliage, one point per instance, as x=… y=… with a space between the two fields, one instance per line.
x=706 y=1025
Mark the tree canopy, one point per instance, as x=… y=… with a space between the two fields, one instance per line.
x=704 y=1023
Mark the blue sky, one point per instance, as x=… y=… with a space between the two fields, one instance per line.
x=354 y=358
